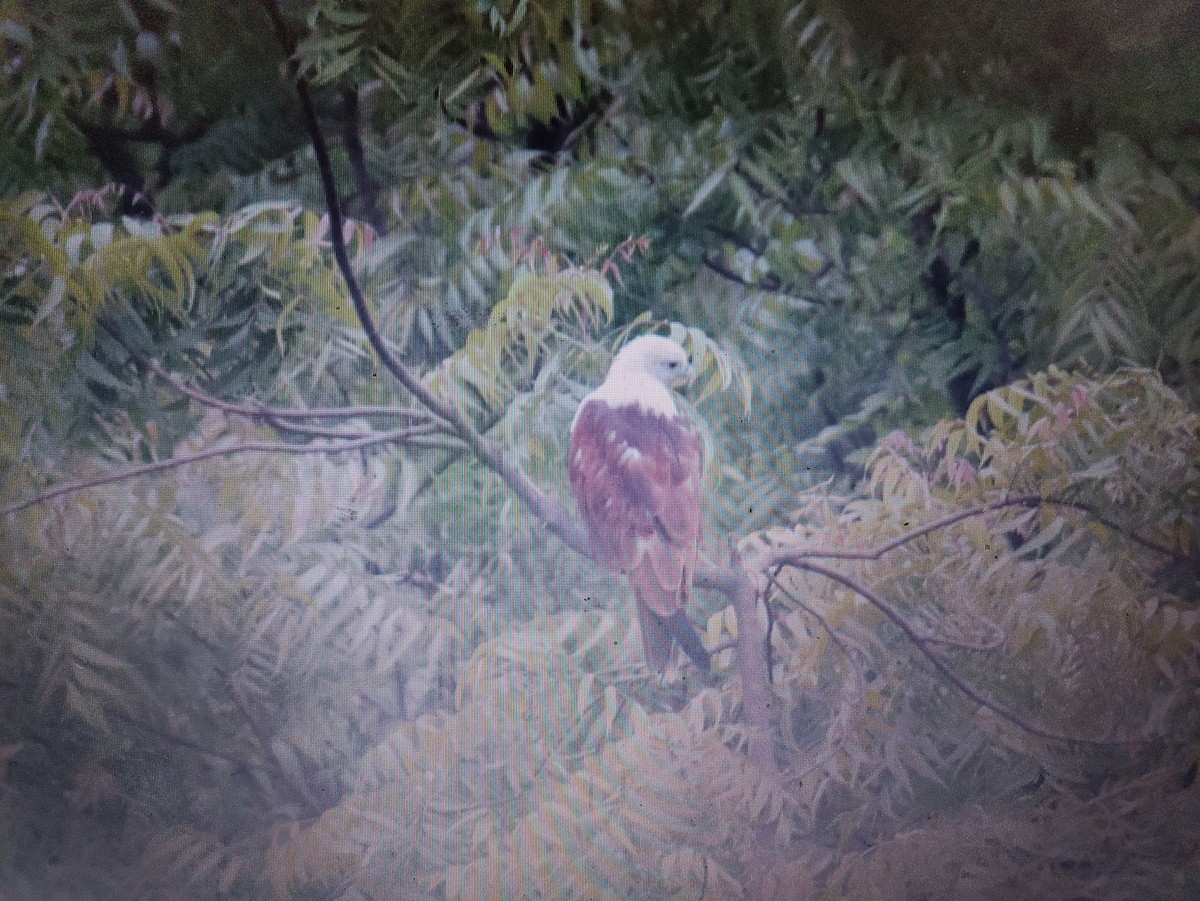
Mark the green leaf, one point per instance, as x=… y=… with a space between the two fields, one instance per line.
x=709 y=185
x=42 y=137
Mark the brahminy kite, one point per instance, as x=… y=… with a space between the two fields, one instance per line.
x=636 y=467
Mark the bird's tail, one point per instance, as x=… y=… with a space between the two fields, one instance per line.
x=659 y=634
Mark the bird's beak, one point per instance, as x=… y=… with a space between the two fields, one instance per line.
x=686 y=377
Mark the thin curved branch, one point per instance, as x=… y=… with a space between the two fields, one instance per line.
x=368 y=191
x=409 y=434
x=255 y=410
x=309 y=431
x=785 y=555
x=258 y=412
x=809 y=208
x=860 y=681
x=180 y=740
x=838 y=641
x=1148 y=543
x=337 y=224
x=943 y=669
x=994 y=642
x=788 y=554
x=769 y=284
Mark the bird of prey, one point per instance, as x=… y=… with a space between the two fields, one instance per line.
x=636 y=467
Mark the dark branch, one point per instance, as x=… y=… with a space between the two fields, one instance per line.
x=411 y=434
x=790 y=554
x=543 y=506
x=180 y=740
x=799 y=210
x=368 y=191
x=771 y=283
x=838 y=641
x=943 y=669
x=257 y=411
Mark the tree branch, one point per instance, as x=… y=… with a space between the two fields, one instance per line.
x=410 y=434
x=810 y=208
x=743 y=591
x=368 y=191
x=770 y=283
x=257 y=411
x=308 y=431
x=940 y=665
x=790 y=554
x=557 y=520
x=183 y=742
x=838 y=641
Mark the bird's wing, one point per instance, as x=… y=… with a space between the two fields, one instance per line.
x=637 y=480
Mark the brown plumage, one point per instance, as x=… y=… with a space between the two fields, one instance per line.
x=636 y=468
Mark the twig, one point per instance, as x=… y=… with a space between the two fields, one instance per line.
x=412 y=433
x=789 y=554
x=315 y=431
x=800 y=211
x=771 y=283
x=941 y=666
x=990 y=644
x=181 y=741
x=255 y=410
x=368 y=191
x=859 y=679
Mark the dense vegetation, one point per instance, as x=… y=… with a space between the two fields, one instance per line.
x=297 y=300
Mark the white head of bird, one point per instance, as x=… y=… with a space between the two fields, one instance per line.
x=643 y=373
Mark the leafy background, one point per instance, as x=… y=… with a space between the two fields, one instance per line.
x=929 y=258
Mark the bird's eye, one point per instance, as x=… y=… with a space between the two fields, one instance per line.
x=674 y=364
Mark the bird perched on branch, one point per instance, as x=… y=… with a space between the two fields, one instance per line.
x=636 y=467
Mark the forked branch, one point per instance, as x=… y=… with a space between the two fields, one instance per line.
x=557 y=520
x=788 y=554
x=940 y=666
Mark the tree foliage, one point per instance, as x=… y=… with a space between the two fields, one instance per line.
x=274 y=624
